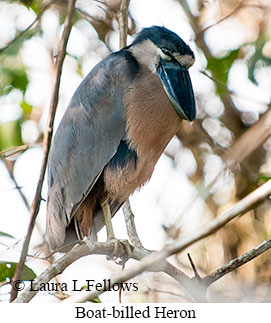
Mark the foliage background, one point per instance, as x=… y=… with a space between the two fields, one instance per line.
x=232 y=82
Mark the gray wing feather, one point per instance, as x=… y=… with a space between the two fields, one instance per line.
x=87 y=138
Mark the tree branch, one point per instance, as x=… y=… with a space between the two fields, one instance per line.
x=237 y=262
x=232 y=13
x=130 y=225
x=241 y=207
x=9 y=166
x=249 y=141
x=154 y=261
x=85 y=248
x=34 y=209
x=123 y=22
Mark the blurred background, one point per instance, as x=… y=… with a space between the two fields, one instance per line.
x=210 y=165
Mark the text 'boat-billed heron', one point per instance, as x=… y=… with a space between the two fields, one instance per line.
x=117 y=124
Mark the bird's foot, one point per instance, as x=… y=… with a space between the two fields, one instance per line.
x=116 y=256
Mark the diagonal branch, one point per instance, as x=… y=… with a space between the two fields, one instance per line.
x=34 y=209
x=250 y=140
x=9 y=166
x=241 y=207
x=19 y=35
x=237 y=262
x=232 y=13
x=85 y=248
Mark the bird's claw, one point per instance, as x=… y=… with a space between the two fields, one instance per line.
x=120 y=259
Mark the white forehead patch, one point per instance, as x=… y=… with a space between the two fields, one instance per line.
x=146 y=53
x=184 y=60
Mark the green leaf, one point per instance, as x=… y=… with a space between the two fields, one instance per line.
x=35 y=5
x=10 y=134
x=263 y=178
x=19 y=79
x=13 y=74
x=7 y=271
x=27 y=108
x=220 y=68
x=4 y=234
x=96 y=300
x=26 y=3
x=257 y=58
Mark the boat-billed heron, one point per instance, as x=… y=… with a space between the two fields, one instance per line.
x=117 y=124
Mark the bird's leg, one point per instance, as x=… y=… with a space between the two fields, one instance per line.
x=109 y=228
x=107 y=220
x=111 y=236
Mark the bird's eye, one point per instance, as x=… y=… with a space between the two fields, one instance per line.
x=166 y=55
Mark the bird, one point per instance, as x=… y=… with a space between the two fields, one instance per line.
x=115 y=128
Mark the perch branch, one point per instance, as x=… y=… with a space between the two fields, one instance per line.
x=34 y=209
x=85 y=248
x=154 y=261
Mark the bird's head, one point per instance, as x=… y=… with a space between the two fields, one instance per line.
x=166 y=54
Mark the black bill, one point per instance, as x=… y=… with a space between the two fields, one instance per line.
x=177 y=84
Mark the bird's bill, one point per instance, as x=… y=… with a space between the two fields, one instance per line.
x=177 y=84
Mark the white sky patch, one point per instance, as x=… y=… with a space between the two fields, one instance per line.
x=250 y=97
x=227 y=35
x=12 y=209
x=10 y=13
x=30 y=132
x=10 y=106
x=50 y=25
x=163 y=13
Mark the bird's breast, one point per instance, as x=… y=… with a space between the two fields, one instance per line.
x=151 y=122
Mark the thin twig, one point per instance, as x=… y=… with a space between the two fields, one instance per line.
x=123 y=22
x=241 y=207
x=233 y=12
x=11 y=175
x=130 y=225
x=237 y=262
x=196 y=274
x=20 y=34
x=17 y=150
x=232 y=92
x=34 y=209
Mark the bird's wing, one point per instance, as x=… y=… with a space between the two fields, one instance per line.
x=87 y=138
